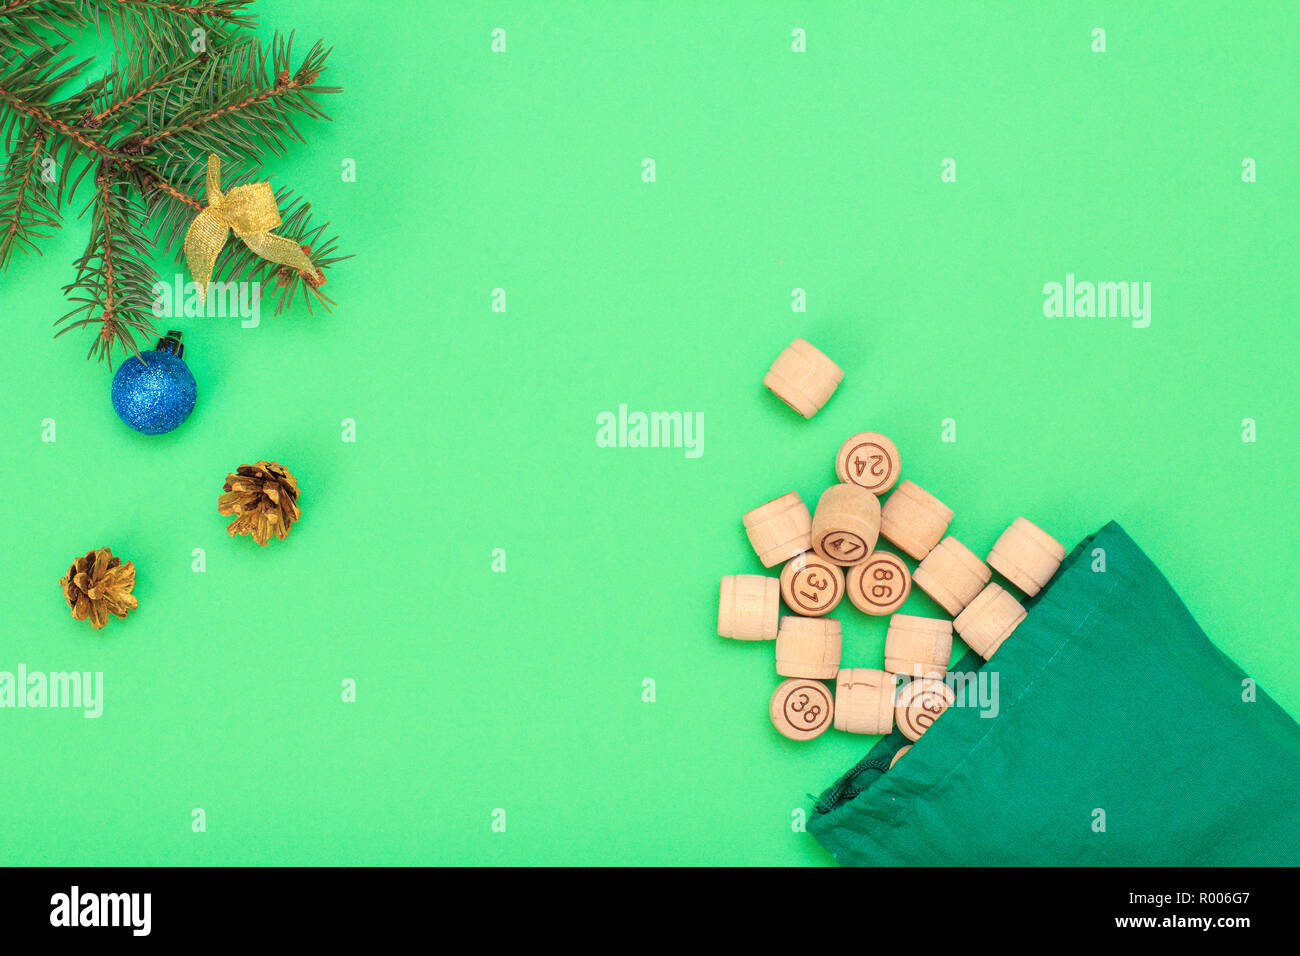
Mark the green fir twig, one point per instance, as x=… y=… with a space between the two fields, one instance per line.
x=188 y=79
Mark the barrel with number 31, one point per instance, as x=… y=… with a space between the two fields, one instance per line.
x=810 y=585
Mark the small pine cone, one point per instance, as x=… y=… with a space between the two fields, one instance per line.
x=99 y=584
x=265 y=498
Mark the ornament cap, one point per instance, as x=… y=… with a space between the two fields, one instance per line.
x=171 y=342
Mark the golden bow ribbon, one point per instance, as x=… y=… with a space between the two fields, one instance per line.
x=250 y=210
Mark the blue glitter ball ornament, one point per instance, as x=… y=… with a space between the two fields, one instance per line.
x=155 y=392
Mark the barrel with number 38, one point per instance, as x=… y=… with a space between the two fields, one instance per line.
x=801 y=709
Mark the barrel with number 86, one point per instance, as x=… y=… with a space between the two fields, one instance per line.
x=881 y=585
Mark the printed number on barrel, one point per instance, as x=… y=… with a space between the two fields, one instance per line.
x=882 y=591
x=877 y=466
x=810 y=713
x=815 y=582
x=845 y=546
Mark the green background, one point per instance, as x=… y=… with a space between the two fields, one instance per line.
x=475 y=429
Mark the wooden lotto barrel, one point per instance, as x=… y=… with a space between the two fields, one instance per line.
x=918 y=646
x=868 y=460
x=749 y=606
x=989 y=620
x=810 y=585
x=914 y=519
x=952 y=575
x=919 y=704
x=846 y=524
x=801 y=709
x=803 y=378
x=779 y=529
x=880 y=584
x=864 y=701
x=808 y=647
x=1027 y=556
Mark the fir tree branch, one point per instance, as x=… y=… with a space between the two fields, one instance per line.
x=221 y=10
x=257 y=101
x=33 y=82
x=25 y=209
x=14 y=8
x=44 y=118
x=283 y=85
x=30 y=22
x=152 y=14
x=131 y=99
x=27 y=104
x=151 y=181
x=143 y=75
x=114 y=279
x=145 y=130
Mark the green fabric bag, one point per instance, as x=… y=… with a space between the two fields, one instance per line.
x=1121 y=737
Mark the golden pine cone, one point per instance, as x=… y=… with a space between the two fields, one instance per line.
x=265 y=497
x=98 y=585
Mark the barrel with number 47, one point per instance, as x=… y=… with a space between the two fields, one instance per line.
x=846 y=524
